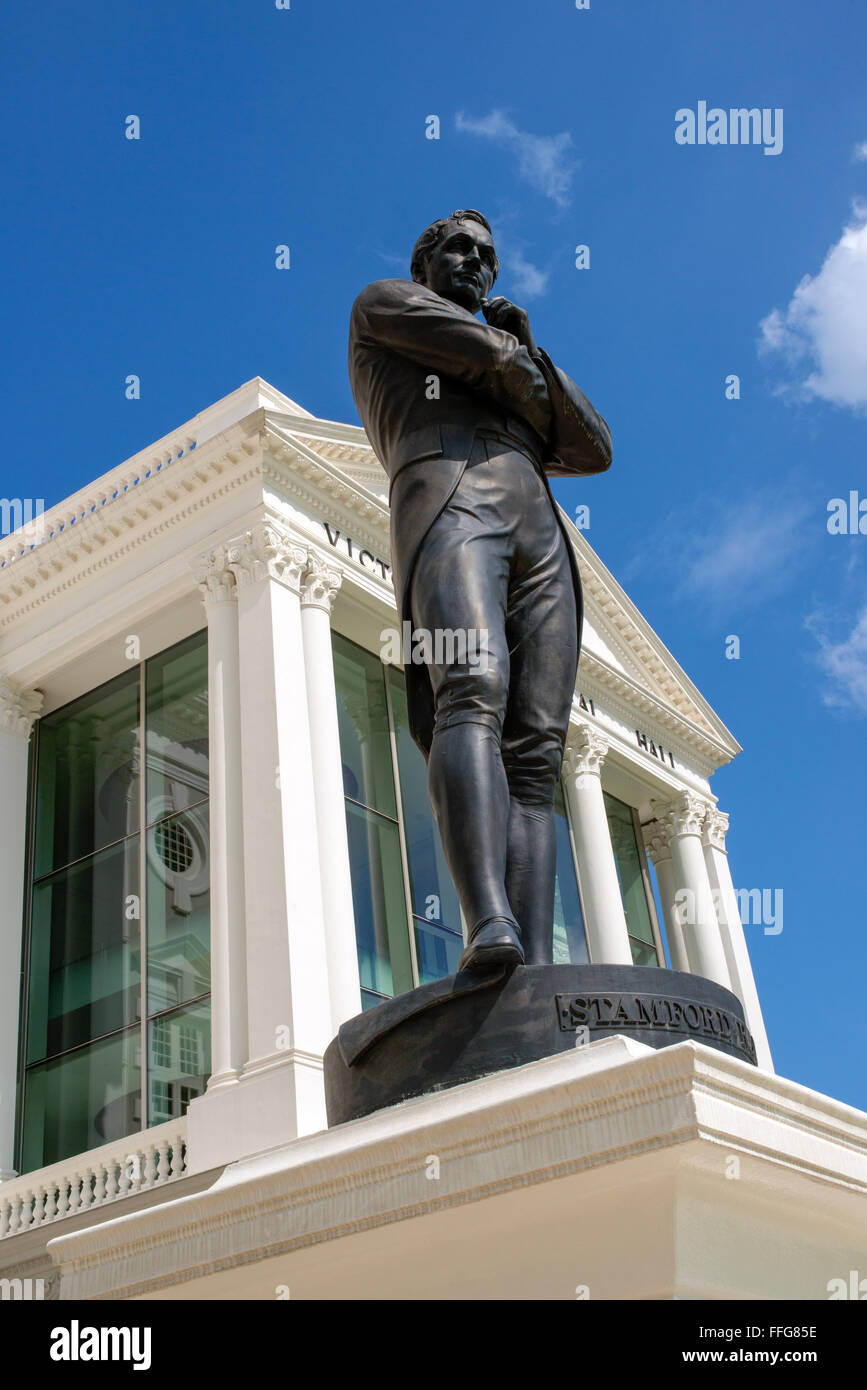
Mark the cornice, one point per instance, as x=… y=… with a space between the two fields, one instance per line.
x=624 y=696
x=302 y=474
x=120 y=521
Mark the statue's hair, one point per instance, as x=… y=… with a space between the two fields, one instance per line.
x=433 y=235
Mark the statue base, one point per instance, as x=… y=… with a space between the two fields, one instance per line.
x=468 y=1025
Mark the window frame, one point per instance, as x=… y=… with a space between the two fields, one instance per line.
x=648 y=890
x=145 y=829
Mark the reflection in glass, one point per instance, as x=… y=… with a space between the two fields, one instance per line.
x=85 y=962
x=78 y=1102
x=384 y=960
x=369 y=1000
x=628 y=859
x=176 y=710
x=570 y=940
x=88 y=767
x=82 y=1082
x=179 y=910
x=362 y=716
x=438 y=950
x=434 y=896
x=179 y=1060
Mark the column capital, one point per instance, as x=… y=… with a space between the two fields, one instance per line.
x=212 y=574
x=18 y=708
x=319 y=583
x=586 y=750
x=266 y=551
x=715 y=829
x=656 y=841
x=685 y=815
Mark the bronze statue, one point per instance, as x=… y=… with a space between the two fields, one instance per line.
x=470 y=419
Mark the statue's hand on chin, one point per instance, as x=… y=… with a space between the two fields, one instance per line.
x=502 y=313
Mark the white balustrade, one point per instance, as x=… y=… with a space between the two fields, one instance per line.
x=135 y=1164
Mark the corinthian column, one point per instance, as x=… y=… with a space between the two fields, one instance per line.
x=319 y=586
x=605 y=920
x=18 y=709
x=659 y=851
x=228 y=938
x=286 y=961
x=682 y=820
x=280 y=1094
x=715 y=827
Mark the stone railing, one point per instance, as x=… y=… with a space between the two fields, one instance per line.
x=87 y=1181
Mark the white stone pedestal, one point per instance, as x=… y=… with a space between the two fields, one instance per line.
x=613 y=1172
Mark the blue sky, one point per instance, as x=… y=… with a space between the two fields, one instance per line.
x=306 y=127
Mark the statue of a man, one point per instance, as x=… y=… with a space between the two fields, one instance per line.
x=470 y=418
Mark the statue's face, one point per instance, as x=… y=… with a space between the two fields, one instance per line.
x=461 y=267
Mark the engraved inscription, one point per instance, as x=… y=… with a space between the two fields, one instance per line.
x=686 y=1016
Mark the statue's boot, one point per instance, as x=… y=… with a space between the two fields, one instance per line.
x=470 y=796
x=531 y=866
x=492 y=942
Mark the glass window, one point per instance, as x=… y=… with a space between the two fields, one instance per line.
x=178 y=910
x=407 y=914
x=116 y=862
x=380 y=904
x=85 y=957
x=179 y=1060
x=365 y=738
x=629 y=858
x=87 y=793
x=375 y=853
x=570 y=938
x=434 y=896
x=82 y=1100
x=177 y=729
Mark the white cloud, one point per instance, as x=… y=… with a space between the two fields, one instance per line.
x=845 y=665
x=394 y=260
x=860 y=151
x=823 y=331
x=744 y=553
x=731 y=555
x=543 y=160
x=527 y=281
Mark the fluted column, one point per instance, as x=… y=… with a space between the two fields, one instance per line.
x=18 y=709
x=286 y=960
x=682 y=820
x=604 y=918
x=659 y=851
x=714 y=831
x=228 y=937
x=319 y=586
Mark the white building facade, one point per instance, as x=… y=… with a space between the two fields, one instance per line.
x=216 y=847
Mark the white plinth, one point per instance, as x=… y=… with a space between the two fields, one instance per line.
x=630 y=1173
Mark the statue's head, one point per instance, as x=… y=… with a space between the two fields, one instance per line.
x=455 y=258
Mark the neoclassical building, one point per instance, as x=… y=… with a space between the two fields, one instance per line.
x=216 y=846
